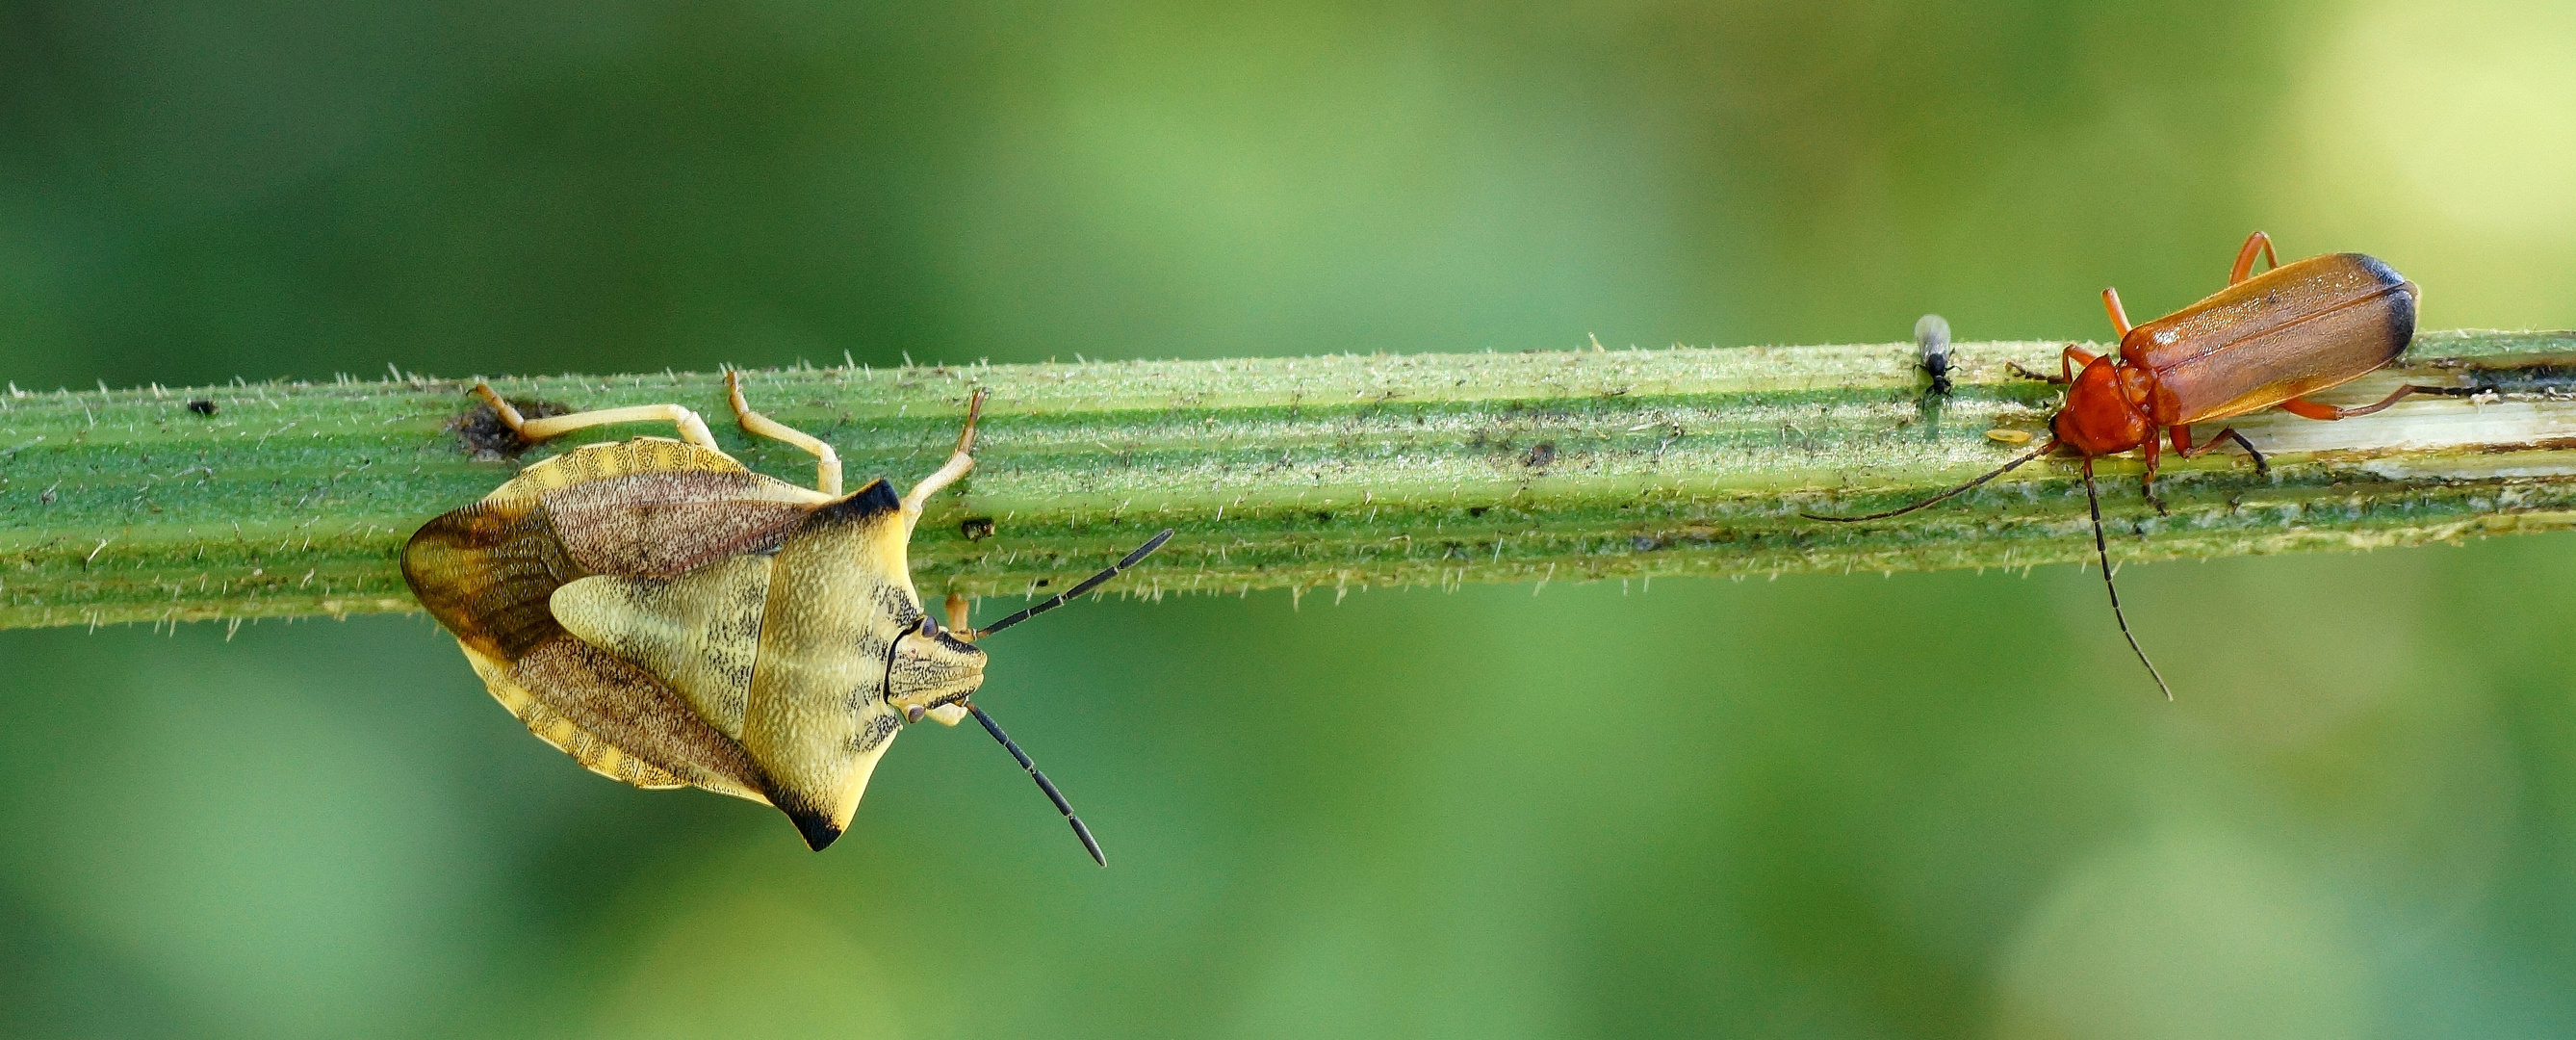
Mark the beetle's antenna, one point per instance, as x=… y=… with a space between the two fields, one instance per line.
x=1999 y=471
x=2094 y=499
x=1069 y=595
x=1044 y=784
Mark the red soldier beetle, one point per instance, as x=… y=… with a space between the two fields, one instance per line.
x=2263 y=341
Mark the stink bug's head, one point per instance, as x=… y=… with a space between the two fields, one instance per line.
x=932 y=673
x=2102 y=415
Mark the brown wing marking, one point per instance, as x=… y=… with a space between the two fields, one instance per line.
x=698 y=633
x=817 y=721
x=656 y=506
x=485 y=571
x=663 y=524
x=649 y=506
x=585 y=747
x=633 y=715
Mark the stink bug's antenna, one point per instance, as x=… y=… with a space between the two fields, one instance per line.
x=2094 y=499
x=1088 y=843
x=1068 y=596
x=2008 y=467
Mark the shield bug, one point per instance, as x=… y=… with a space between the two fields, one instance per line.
x=2263 y=341
x=669 y=618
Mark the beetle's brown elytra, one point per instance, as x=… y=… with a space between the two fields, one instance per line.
x=670 y=618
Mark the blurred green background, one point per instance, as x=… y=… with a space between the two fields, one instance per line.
x=1936 y=805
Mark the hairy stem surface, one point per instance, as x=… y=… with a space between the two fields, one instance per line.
x=281 y=500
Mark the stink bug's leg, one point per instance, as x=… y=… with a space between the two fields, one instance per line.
x=508 y=412
x=2119 y=317
x=959 y=462
x=2257 y=242
x=1079 y=831
x=827 y=463
x=692 y=429
x=2183 y=446
x=2307 y=409
x=959 y=615
x=2102 y=551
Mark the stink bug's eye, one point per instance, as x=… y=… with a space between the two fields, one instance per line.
x=927 y=627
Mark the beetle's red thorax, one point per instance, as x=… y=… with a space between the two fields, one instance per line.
x=2104 y=408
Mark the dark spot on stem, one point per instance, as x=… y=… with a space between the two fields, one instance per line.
x=486 y=437
x=976 y=528
x=202 y=406
x=1540 y=455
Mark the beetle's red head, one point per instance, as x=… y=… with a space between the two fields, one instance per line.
x=2102 y=415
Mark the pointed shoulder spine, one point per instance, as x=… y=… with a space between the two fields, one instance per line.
x=867 y=503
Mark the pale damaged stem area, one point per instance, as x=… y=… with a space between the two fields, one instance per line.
x=1345 y=472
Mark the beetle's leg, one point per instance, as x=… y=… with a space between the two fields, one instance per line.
x=692 y=429
x=827 y=463
x=2072 y=358
x=2183 y=446
x=960 y=615
x=2147 y=480
x=959 y=462
x=2119 y=316
x=2257 y=242
x=2307 y=409
x=2068 y=360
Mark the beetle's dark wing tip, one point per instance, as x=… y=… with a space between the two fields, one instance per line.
x=818 y=829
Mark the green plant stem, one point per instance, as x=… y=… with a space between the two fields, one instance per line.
x=1338 y=472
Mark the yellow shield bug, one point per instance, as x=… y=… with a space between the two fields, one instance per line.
x=671 y=619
